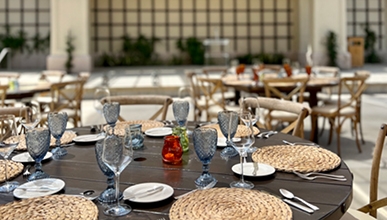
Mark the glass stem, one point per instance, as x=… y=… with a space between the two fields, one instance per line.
x=38 y=166
x=241 y=161
x=117 y=175
x=6 y=169
x=205 y=168
x=57 y=142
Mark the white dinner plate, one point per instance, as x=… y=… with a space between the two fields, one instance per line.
x=142 y=187
x=26 y=158
x=89 y=138
x=248 y=168
x=54 y=186
x=159 y=132
x=222 y=141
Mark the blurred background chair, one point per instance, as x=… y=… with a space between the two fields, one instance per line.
x=161 y=101
x=273 y=86
x=298 y=109
x=342 y=109
x=374 y=203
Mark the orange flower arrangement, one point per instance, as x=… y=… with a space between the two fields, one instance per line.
x=288 y=69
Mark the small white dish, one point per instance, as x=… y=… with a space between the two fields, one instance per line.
x=165 y=193
x=222 y=141
x=159 y=132
x=54 y=186
x=248 y=168
x=26 y=158
x=88 y=138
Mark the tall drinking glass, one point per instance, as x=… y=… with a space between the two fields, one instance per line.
x=9 y=139
x=228 y=123
x=247 y=140
x=38 y=143
x=180 y=111
x=57 y=122
x=205 y=141
x=117 y=153
x=111 y=111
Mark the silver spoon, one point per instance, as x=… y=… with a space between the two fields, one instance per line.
x=290 y=195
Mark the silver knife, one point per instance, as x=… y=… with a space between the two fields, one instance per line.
x=145 y=193
x=302 y=207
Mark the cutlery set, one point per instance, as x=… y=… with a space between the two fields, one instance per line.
x=309 y=208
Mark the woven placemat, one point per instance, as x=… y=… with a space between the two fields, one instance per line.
x=14 y=169
x=146 y=124
x=67 y=137
x=297 y=158
x=50 y=207
x=229 y=203
x=241 y=131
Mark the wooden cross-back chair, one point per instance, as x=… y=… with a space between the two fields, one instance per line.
x=159 y=100
x=302 y=111
x=18 y=112
x=296 y=87
x=66 y=96
x=337 y=113
x=374 y=203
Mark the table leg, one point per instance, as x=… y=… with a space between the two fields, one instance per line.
x=314 y=102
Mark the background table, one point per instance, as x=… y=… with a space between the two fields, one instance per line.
x=28 y=90
x=80 y=171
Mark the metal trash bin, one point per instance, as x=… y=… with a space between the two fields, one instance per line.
x=356 y=49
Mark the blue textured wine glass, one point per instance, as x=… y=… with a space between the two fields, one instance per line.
x=38 y=143
x=109 y=194
x=111 y=111
x=205 y=140
x=57 y=122
x=228 y=123
x=180 y=111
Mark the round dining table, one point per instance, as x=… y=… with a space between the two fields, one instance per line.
x=80 y=172
x=28 y=90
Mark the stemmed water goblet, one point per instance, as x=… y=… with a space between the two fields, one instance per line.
x=111 y=111
x=247 y=140
x=205 y=141
x=57 y=122
x=9 y=139
x=100 y=93
x=117 y=153
x=180 y=111
x=38 y=143
x=228 y=123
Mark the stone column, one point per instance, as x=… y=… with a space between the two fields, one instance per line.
x=316 y=19
x=70 y=17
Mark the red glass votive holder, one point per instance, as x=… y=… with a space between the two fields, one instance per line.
x=172 y=151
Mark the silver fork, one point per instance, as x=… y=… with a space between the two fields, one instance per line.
x=321 y=174
x=315 y=177
x=27 y=171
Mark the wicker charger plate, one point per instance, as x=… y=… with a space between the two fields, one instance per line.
x=146 y=124
x=50 y=207
x=229 y=203
x=67 y=137
x=241 y=131
x=297 y=158
x=14 y=169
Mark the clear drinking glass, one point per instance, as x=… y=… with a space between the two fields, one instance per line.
x=228 y=123
x=247 y=140
x=100 y=93
x=9 y=139
x=111 y=111
x=180 y=111
x=117 y=153
x=251 y=104
x=205 y=141
x=57 y=122
x=109 y=194
x=38 y=144
x=33 y=116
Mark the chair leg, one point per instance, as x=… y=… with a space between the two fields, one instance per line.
x=314 y=123
x=338 y=132
x=361 y=133
x=357 y=136
x=331 y=127
x=322 y=127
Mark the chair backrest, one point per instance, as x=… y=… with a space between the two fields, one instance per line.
x=3 y=94
x=18 y=112
x=296 y=86
x=53 y=76
x=301 y=110
x=9 y=75
x=355 y=86
x=374 y=203
x=216 y=69
x=162 y=100
x=326 y=70
x=196 y=94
